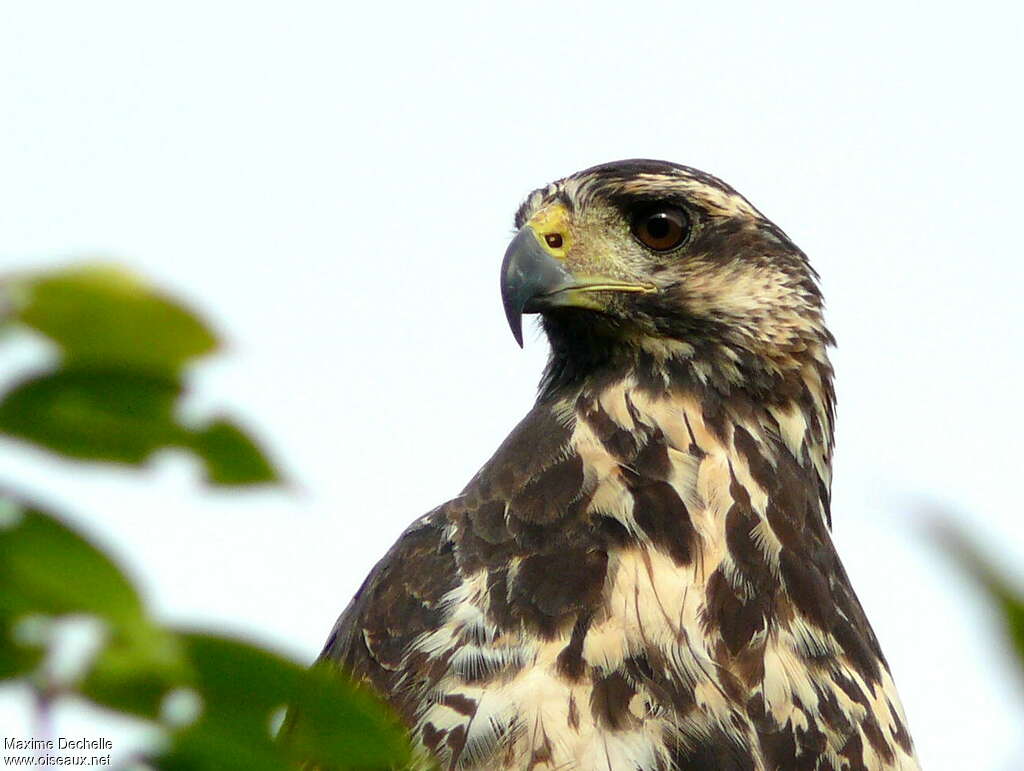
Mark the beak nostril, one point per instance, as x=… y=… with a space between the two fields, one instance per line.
x=554 y=240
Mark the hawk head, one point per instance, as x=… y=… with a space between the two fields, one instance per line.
x=654 y=265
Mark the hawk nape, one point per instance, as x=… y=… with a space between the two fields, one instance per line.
x=642 y=577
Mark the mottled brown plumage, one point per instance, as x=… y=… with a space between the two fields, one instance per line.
x=642 y=576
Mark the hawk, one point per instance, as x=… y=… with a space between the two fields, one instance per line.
x=642 y=576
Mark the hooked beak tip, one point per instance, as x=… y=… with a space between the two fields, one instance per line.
x=515 y=323
x=527 y=272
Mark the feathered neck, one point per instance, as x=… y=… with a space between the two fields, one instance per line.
x=790 y=395
x=591 y=351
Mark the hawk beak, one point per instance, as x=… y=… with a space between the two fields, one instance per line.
x=527 y=273
x=533 y=280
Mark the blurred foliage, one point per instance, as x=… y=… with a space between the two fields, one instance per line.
x=999 y=590
x=113 y=395
x=115 y=389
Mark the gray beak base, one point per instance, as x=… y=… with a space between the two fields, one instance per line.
x=528 y=272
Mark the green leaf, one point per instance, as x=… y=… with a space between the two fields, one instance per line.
x=111 y=415
x=48 y=568
x=16 y=659
x=135 y=671
x=1007 y=599
x=104 y=315
x=239 y=680
x=242 y=687
x=337 y=724
x=231 y=457
x=124 y=417
x=115 y=394
x=205 y=746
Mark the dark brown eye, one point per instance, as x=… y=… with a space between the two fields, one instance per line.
x=661 y=227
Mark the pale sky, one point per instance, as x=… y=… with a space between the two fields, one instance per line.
x=333 y=186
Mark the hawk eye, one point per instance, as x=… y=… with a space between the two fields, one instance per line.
x=660 y=227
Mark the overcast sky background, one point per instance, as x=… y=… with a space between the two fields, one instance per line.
x=333 y=186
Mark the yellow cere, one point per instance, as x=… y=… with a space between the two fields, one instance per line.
x=552 y=220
